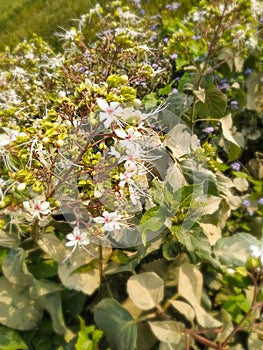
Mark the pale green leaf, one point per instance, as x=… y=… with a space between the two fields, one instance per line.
x=181 y=140
x=190 y=283
x=254 y=342
x=213 y=233
x=190 y=287
x=146 y=290
x=51 y=245
x=168 y=331
x=184 y=308
x=17 y=309
x=117 y=324
x=9 y=239
x=14 y=268
x=234 y=251
x=86 y=282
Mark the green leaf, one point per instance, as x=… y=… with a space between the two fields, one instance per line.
x=90 y=266
x=196 y=244
x=3 y=253
x=146 y=290
x=153 y=222
x=150 y=101
x=17 y=309
x=44 y=269
x=88 y=337
x=214 y=105
x=117 y=324
x=234 y=251
x=10 y=339
x=120 y=257
x=52 y=304
x=237 y=306
x=168 y=331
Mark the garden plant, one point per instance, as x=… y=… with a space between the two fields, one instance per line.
x=131 y=193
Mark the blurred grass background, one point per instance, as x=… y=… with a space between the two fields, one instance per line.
x=19 y=19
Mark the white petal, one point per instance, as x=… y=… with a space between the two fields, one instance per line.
x=115 y=105
x=99 y=220
x=108 y=122
x=103 y=104
x=121 y=133
x=85 y=242
x=76 y=231
x=44 y=205
x=71 y=243
x=71 y=237
x=26 y=205
x=255 y=251
x=83 y=236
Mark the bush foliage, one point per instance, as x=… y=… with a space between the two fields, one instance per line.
x=131 y=198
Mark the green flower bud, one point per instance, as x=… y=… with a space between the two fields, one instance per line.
x=252 y=263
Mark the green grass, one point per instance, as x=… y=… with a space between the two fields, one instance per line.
x=19 y=19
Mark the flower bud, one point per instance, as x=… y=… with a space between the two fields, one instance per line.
x=252 y=263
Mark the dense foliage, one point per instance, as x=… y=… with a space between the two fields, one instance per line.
x=131 y=197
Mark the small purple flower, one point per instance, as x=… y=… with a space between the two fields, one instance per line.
x=174 y=6
x=165 y=40
x=260 y=201
x=142 y=12
x=153 y=38
x=234 y=104
x=154 y=27
x=246 y=202
x=196 y=37
x=173 y=56
x=248 y=71
x=209 y=129
x=235 y=166
x=174 y=91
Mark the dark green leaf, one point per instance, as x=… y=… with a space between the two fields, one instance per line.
x=117 y=324
x=214 y=105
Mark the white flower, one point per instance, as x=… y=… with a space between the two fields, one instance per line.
x=257 y=253
x=128 y=137
x=110 y=112
x=77 y=239
x=8 y=137
x=111 y=221
x=36 y=208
